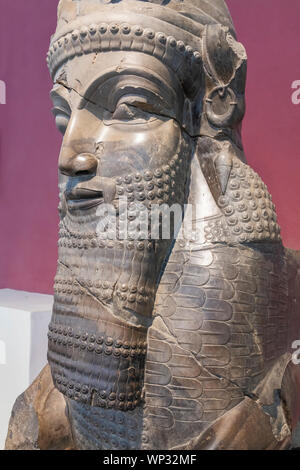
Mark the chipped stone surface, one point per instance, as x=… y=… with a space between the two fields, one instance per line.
x=38 y=420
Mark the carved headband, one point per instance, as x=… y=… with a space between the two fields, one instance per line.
x=108 y=37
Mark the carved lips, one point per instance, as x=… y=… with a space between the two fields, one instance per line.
x=90 y=193
x=83 y=198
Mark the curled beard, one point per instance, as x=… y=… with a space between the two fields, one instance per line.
x=105 y=289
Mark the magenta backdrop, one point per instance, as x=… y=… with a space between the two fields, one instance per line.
x=29 y=142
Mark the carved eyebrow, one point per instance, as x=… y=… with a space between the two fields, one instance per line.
x=59 y=97
x=59 y=92
x=140 y=72
x=131 y=86
x=57 y=89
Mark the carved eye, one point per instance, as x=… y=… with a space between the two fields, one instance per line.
x=132 y=109
x=124 y=113
x=61 y=121
x=61 y=108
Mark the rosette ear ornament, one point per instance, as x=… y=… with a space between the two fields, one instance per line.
x=224 y=61
x=221 y=105
x=224 y=64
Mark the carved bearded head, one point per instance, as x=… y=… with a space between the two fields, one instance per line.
x=140 y=88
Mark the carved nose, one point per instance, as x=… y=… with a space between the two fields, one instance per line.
x=82 y=164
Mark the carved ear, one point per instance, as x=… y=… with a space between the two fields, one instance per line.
x=223 y=106
x=225 y=66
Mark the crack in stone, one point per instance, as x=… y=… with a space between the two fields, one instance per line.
x=84 y=288
x=69 y=88
x=126 y=321
x=246 y=394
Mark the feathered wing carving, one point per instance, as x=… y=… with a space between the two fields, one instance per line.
x=221 y=323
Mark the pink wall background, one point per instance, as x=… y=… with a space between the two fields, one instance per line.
x=29 y=142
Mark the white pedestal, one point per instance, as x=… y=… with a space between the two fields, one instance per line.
x=24 y=319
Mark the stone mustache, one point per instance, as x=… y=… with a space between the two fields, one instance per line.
x=177 y=343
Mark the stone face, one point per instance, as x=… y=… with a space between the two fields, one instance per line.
x=158 y=341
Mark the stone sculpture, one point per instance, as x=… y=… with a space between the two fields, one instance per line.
x=161 y=343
